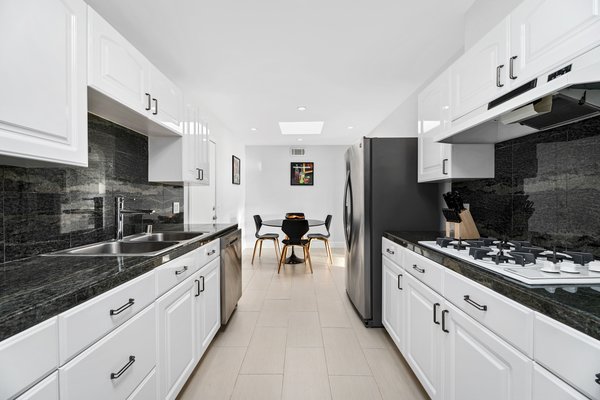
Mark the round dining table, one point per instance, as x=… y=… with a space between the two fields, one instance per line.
x=277 y=223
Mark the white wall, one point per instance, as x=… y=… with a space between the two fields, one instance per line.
x=270 y=194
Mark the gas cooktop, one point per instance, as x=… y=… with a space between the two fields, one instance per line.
x=523 y=262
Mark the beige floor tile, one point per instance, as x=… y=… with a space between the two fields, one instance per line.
x=251 y=300
x=354 y=388
x=258 y=387
x=276 y=305
x=305 y=360
x=273 y=318
x=215 y=376
x=369 y=337
x=393 y=376
x=266 y=352
x=332 y=313
x=239 y=329
x=306 y=386
x=303 y=301
x=343 y=353
x=304 y=330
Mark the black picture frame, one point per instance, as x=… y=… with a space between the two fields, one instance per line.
x=236 y=170
x=302 y=173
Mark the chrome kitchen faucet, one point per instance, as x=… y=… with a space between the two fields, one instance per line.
x=120 y=210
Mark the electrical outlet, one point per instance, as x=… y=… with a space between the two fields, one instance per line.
x=467 y=206
x=175 y=207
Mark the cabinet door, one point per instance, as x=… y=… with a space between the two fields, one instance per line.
x=547 y=386
x=167 y=101
x=115 y=67
x=43 y=106
x=393 y=301
x=480 y=74
x=176 y=338
x=480 y=365
x=545 y=33
x=208 y=305
x=45 y=390
x=423 y=341
x=435 y=161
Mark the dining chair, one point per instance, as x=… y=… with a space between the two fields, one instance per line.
x=295 y=229
x=294 y=215
x=260 y=238
x=323 y=237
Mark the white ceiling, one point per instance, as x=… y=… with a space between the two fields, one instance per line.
x=251 y=63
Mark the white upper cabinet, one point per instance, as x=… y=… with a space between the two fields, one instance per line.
x=545 y=33
x=480 y=74
x=43 y=106
x=126 y=88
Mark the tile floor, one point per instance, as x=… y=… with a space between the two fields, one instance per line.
x=296 y=336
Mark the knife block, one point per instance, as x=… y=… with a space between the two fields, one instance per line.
x=463 y=230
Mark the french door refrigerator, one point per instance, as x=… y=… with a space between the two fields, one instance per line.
x=381 y=194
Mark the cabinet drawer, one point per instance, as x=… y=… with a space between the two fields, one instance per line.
x=506 y=318
x=116 y=365
x=45 y=390
x=147 y=389
x=425 y=270
x=83 y=325
x=208 y=252
x=174 y=272
x=27 y=357
x=392 y=250
x=570 y=354
x=547 y=386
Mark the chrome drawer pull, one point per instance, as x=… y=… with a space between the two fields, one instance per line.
x=122 y=370
x=444 y=321
x=475 y=304
x=181 y=271
x=435 y=306
x=210 y=253
x=123 y=307
x=390 y=251
x=421 y=270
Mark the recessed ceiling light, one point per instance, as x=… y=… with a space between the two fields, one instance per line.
x=301 y=108
x=253 y=129
x=350 y=127
x=301 y=128
x=300 y=139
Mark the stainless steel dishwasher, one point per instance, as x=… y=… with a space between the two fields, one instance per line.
x=231 y=273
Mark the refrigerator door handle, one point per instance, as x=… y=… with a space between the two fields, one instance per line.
x=348 y=210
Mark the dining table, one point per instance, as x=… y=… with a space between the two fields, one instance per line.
x=277 y=223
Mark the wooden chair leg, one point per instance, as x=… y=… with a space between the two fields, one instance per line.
x=282 y=259
x=260 y=250
x=277 y=249
x=328 y=247
x=254 y=252
x=307 y=258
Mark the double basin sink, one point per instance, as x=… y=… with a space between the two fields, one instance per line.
x=144 y=244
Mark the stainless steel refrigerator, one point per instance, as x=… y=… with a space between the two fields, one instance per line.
x=381 y=194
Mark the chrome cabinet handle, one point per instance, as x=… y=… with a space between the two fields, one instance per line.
x=474 y=303
x=399 y=287
x=444 y=321
x=435 y=307
x=210 y=253
x=200 y=174
x=416 y=267
x=498 y=68
x=155 y=107
x=149 y=106
x=123 y=307
x=511 y=68
x=390 y=251
x=181 y=271
x=444 y=161
x=116 y=375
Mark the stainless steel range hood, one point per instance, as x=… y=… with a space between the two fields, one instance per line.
x=562 y=96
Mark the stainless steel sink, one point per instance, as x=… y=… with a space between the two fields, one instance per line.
x=123 y=248
x=164 y=237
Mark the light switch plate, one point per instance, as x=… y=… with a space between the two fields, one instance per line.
x=175 y=207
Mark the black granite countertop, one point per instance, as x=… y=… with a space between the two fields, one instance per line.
x=37 y=288
x=578 y=309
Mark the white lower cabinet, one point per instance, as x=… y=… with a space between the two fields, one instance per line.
x=45 y=390
x=147 y=389
x=115 y=366
x=478 y=364
x=176 y=338
x=423 y=350
x=207 y=305
x=547 y=386
x=393 y=301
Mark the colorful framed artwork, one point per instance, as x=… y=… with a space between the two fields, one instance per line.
x=236 y=169
x=302 y=173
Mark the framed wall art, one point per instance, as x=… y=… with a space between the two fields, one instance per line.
x=302 y=173
x=236 y=169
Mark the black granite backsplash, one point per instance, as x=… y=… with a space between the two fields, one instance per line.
x=546 y=189
x=49 y=209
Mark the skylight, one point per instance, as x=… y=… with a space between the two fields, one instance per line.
x=301 y=128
